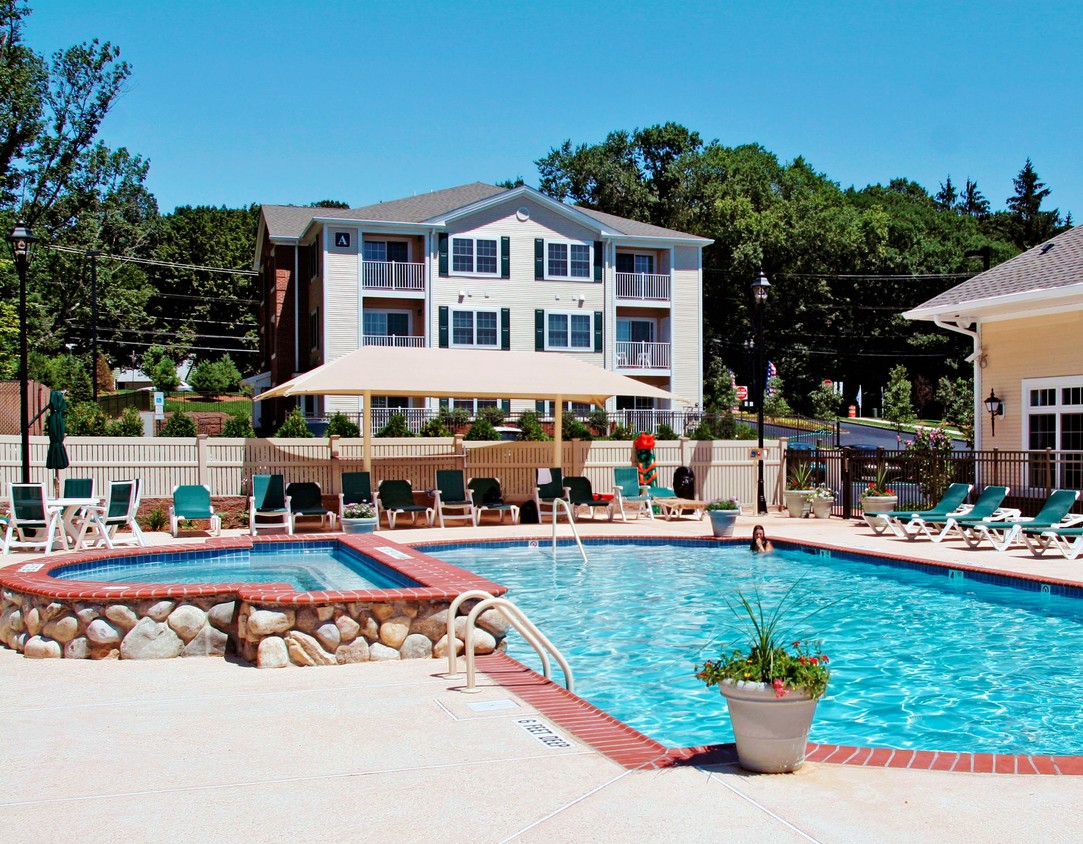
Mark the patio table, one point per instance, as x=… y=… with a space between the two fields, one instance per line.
x=73 y=512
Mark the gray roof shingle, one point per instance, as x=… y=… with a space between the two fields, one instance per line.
x=289 y=221
x=1055 y=263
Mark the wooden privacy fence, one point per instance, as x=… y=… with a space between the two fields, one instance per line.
x=226 y=465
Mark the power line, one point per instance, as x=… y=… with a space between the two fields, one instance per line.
x=173 y=265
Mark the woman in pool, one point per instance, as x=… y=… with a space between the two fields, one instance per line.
x=760 y=542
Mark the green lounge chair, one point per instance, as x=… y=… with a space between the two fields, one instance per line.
x=306 y=502
x=487 y=495
x=119 y=511
x=450 y=500
x=951 y=503
x=78 y=488
x=397 y=497
x=550 y=487
x=627 y=492
x=356 y=488
x=987 y=508
x=1001 y=534
x=1067 y=540
x=192 y=503
x=32 y=523
x=581 y=496
x=268 y=506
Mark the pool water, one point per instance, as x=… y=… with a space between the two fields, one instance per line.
x=918 y=660
x=307 y=566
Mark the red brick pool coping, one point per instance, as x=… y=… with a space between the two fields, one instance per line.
x=633 y=750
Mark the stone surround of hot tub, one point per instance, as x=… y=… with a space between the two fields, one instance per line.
x=269 y=624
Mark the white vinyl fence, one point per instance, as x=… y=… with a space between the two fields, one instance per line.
x=722 y=468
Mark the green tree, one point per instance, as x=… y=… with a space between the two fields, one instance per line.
x=530 y=429
x=130 y=424
x=396 y=427
x=340 y=424
x=434 y=428
x=159 y=366
x=294 y=426
x=1029 y=224
x=947 y=197
x=972 y=202
x=482 y=429
x=85 y=419
x=179 y=424
x=720 y=394
x=825 y=402
x=774 y=402
x=572 y=429
x=897 y=406
x=239 y=425
x=494 y=415
x=207 y=378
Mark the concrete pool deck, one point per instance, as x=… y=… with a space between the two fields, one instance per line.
x=212 y=750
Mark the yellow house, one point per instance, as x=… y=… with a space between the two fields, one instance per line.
x=1025 y=318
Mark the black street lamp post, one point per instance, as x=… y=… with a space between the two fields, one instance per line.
x=93 y=254
x=22 y=243
x=759 y=299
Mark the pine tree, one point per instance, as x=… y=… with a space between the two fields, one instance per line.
x=972 y=202
x=1029 y=224
x=947 y=197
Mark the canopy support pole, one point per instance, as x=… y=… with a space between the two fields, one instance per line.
x=558 y=432
x=366 y=432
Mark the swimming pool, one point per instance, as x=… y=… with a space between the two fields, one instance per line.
x=921 y=659
x=306 y=566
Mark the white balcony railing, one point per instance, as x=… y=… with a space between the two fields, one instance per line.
x=390 y=275
x=649 y=286
x=400 y=340
x=643 y=355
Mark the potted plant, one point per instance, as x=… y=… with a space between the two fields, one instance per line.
x=820 y=500
x=771 y=685
x=878 y=497
x=798 y=488
x=359 y=518
x=723 y=513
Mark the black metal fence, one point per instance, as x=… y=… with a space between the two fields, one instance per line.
x=919 y=478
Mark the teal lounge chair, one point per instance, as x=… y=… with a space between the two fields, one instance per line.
x=1001 y=534
x=986 y=508
x=550 y=487
x=356 y=488
x=306 y=502
x=451 y=500
x=32 y=523
x=628 y=493
x=1067 y=540
x=268 y=506
x=581 y=496
x=397 y=497
x=487 y=495
x=192 y=503
x=951 y=503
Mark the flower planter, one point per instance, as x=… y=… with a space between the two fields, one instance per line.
x=771 y=732
x=797 y=503
x=358 y=525
x=723 y=521
x=821 y=508
x=879 y=503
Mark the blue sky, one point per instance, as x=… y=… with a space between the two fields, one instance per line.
x=291 y=102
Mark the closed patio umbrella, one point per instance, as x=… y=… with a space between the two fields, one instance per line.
x=57 y=456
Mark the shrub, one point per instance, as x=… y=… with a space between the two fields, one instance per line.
x=493 y=415
x=825 y=402
x=665 y=432
x=530 y=428
x=86 y=419
x=395 y=427
x=435 y=427
x=599 y=421
x=158 y=365
x=572 y=429
x=454 y=418
x=482 y=429
x=340 y=424
x=294 y=426
x=622 y=432
x=130 y=424
x=103 y=373
x=179 y=424
x=238 y=425
x=155 y=520
x=702 y=431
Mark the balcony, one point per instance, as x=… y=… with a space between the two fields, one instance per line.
x=399 y=340
x=392 y=276
x=640 y=356
x=643 y=287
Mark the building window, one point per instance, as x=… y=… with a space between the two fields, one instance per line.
x=386 y=323
x=569 y=260
x=569 y=331
x=472 y=405
x=474 y=257
x=629 y=263
x=397 y=251
x=1054 y=420
x=314 y=328
x=476 y=329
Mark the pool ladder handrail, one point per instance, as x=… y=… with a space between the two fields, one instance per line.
x=518 y=619
x=571 y=522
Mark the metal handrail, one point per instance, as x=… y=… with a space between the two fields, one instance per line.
x=571 y=522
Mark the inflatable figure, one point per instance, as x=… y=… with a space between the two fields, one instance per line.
x=644 y=460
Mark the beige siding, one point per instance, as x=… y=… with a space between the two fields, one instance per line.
x=1035 y=347
x=686 y=327
x=341 y=329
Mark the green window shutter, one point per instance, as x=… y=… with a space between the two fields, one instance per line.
x=539 y=407
x=505 y=329
x=597 y=331
x=539 y=330
x=539 y=258
x=505 y=257
x=442 y=238
x=599 y=259
x=443 y=326
x=506 y=405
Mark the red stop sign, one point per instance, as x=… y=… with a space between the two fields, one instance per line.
x=742 y=393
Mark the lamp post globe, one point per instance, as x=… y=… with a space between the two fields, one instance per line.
x=22 y=241
x=760 y=287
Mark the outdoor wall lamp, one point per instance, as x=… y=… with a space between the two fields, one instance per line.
x=22 y=243
x=995 y=406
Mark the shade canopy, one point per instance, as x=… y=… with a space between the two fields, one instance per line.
x=464 y=373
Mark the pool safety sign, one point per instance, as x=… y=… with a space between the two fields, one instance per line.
x=159 y=405
x=543 y=733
